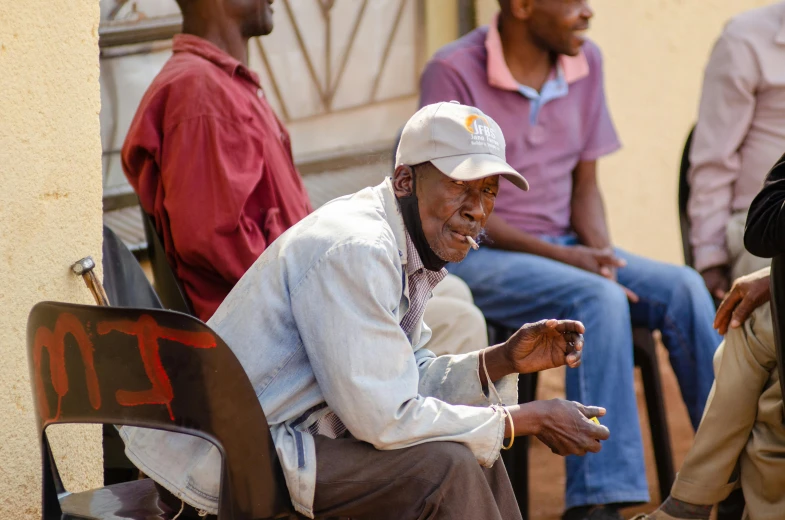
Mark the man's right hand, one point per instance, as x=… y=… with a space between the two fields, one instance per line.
x=563 y=426
x=747 y=294
x=603 y=262
x=717 y=280
x=598 y=261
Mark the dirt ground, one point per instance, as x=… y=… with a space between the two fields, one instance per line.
x=547 y=477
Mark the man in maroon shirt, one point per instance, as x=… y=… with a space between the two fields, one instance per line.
x=213 y=166
x=207 y=156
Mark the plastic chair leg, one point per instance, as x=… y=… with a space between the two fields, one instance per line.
x=646 y=359
x=516 y=460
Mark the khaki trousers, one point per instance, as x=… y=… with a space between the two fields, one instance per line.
x=741 y=437
x=458 y=325
x=742 y=261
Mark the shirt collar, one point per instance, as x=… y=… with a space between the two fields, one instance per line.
x=415 y=262
x=204 y=49
x=554 y=87
x=394 y=217
x=572 y=68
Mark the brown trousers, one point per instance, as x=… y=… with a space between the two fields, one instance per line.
x=434 y=480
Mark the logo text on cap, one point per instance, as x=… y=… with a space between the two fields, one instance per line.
x=482 y=133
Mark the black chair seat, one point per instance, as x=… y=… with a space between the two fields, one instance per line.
x=135 y=500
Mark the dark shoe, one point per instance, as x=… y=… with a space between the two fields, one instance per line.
x=592 y=513
x=656 y=515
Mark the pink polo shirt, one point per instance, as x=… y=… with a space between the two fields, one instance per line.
x=546 y=137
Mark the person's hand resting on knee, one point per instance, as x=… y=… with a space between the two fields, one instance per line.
x=747 y=294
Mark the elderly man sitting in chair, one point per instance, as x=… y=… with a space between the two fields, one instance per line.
x=327 y=323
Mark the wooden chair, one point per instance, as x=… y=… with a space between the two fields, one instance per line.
x=86 y=367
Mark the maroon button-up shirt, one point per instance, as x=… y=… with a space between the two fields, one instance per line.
x=213 y=165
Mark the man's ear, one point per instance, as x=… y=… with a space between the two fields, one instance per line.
x=402 y=180
x=521 y=9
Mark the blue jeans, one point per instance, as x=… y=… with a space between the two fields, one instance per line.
x=515 y=288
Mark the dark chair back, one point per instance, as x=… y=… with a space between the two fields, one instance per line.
x=777 y=282
x=167 y=285
x=153 y=369
x=124 y=280
x=684 y=197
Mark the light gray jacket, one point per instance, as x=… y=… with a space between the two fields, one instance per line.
x=316 y=320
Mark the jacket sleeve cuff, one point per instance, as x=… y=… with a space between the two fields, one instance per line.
x=499 y=442
x=451 y=378
x=455 y=379
x=507 y=387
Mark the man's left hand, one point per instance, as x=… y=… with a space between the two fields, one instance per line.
x=546 y=344
x=747 y=294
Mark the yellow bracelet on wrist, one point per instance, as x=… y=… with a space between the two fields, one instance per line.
x=512 y=429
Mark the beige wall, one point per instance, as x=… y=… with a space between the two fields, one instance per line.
x=654 y=53
x=441 y=18
x=50 y=216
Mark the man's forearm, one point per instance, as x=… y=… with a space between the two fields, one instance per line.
x=527 y=419
x=588 y=216
x=504 y=236
x=497 y=363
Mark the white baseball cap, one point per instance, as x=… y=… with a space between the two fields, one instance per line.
x=461 y=141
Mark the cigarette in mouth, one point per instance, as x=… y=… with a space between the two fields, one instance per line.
x=472 y=243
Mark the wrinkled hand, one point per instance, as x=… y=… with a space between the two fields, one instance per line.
x=603 y=262
x=747 y=294
x=545 y=344
x=567 y=430
x=717 y=280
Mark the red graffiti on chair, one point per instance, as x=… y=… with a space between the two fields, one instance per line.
x=148 y=332
x=54 y=343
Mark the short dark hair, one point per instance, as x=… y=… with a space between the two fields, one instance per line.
x=420 y=169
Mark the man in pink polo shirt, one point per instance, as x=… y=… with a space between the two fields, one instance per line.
x=550 y=253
